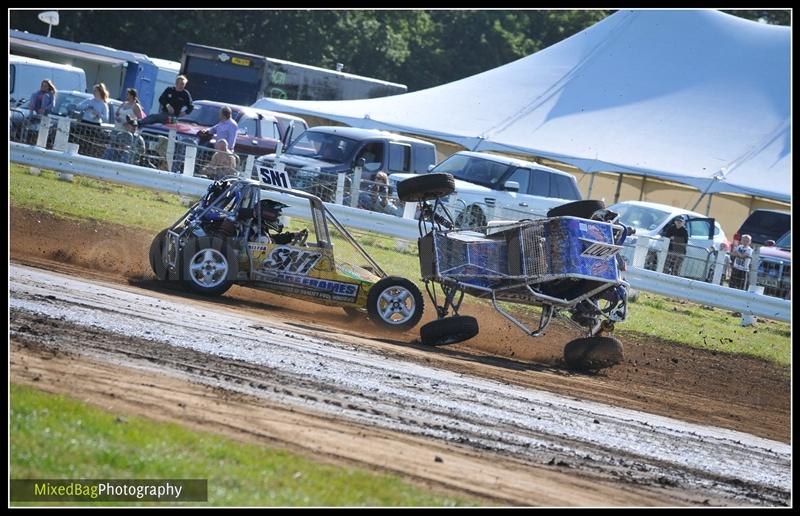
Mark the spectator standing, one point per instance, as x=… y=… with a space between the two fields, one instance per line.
x=679 y=237
x=226 y=129
x=223 y=162
x=741 y=255
x=43 y=100
x=175 y=101
x=129 y=109
x=95 y=109
x=127 y=145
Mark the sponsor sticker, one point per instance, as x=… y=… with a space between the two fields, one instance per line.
x=314 y=287
x=291 y=259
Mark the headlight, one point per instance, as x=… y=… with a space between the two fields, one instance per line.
x=308 y=172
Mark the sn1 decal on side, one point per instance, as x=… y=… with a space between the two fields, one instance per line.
x=274 y=177
x=292 y=260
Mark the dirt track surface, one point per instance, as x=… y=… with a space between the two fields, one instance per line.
x=136 y=390
x=659 y=377
x=376 y=386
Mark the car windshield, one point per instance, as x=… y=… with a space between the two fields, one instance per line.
x=641 y=217
x=323 y=146
x=68 y=102
x=785 y=242
x=206 y=115
x=475 y=170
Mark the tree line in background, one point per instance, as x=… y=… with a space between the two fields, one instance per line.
x=417 y=48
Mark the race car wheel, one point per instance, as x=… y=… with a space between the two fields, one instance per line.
x=582 y=209
x=448 y=330
x=395 y=303
x=209 y=265
x=425 y=187
x=593 y=353
x=157 y=248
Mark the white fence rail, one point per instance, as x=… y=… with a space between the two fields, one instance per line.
x=748 y=303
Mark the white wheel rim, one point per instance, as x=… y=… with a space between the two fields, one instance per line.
x=208 y=268
x=396 y=305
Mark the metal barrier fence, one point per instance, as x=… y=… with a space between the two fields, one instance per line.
x=181 y=154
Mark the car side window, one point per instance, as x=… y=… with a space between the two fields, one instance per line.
x=423 y=155
x=521 y=176
x=399 y=157
x=372 y=153
x=561 y=187
x=699 y=228
x=247 y=126
x=540 y=183
x=269 y=129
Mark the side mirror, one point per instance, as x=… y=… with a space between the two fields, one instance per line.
x=431 y=167
x=769 y=243
x=511 y=186
x=361 y=162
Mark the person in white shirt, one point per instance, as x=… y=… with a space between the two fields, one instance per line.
x=741 y=255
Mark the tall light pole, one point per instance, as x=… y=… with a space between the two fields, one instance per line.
x=50 y=18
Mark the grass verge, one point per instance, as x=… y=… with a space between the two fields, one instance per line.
x=57 y=437
x=677 y=321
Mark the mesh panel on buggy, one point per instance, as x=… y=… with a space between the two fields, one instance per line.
x=534 y=251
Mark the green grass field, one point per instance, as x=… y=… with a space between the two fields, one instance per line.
x=653 y=315
x=57 y=437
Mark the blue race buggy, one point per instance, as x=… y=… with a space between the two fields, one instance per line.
x=565 y=263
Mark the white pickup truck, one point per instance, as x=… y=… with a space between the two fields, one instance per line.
x=490 y=187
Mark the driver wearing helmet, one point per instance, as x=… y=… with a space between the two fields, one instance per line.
x=270 y=223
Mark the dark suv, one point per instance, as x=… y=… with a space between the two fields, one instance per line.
x=763 y=225
x=315 y=159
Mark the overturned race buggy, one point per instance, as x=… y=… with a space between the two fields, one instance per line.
x=233 y=235
x=567 y=264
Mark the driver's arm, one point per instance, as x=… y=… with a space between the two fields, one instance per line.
x=283 y=238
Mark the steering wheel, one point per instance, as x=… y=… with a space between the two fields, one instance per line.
x=301 y=237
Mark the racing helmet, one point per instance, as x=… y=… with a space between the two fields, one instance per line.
x=271 y=213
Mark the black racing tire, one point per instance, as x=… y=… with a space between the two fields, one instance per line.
x=399 y=292
x=209 y=265
x=593 y=353
x=157 y=248
x=448 y=330
x=425 y=187
x=582 y=209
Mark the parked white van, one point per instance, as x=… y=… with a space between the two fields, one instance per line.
x=26 y=74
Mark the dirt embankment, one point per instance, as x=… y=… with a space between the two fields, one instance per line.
x=657 y=376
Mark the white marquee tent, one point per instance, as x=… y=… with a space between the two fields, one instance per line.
x=694 y=96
